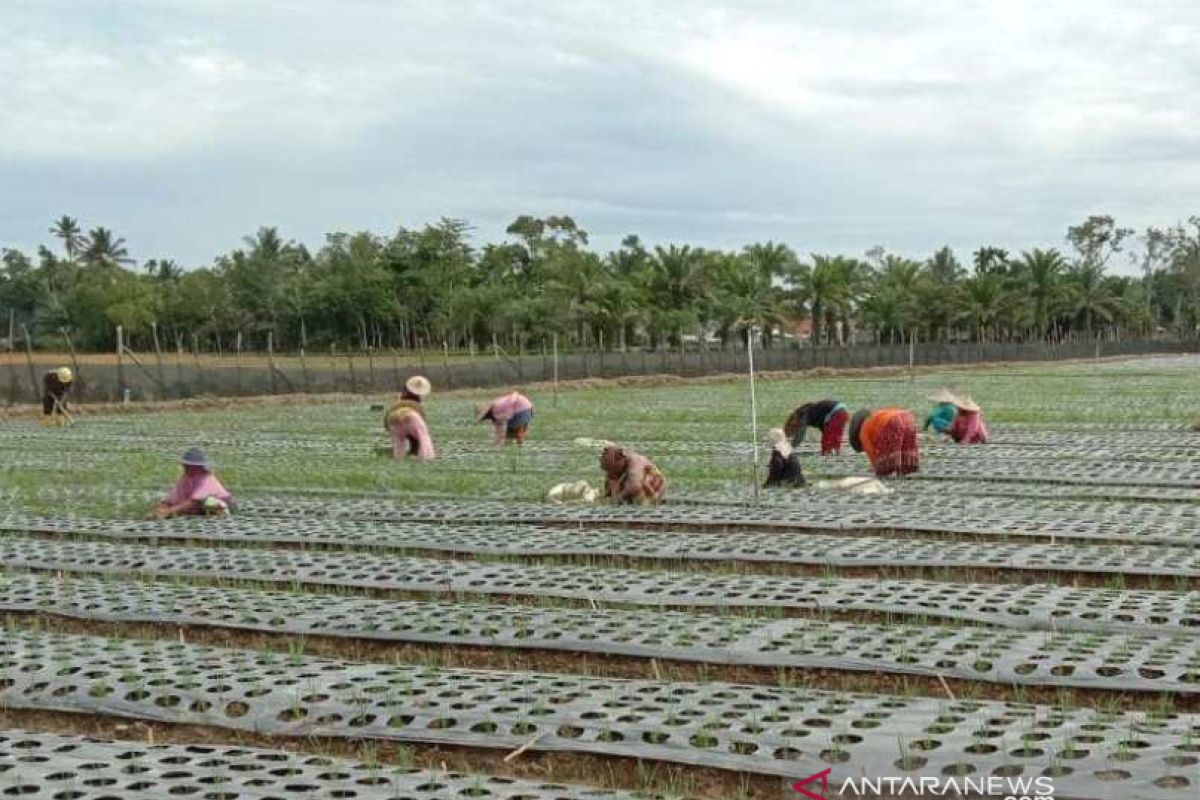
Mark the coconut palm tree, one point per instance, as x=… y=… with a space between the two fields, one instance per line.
x=67 y=229
x=105 y=248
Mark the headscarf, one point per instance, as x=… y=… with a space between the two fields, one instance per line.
x=613 y=461
x=779 y=442
x=856 y=423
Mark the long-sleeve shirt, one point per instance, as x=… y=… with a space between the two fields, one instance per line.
x=504 y=408
x=941 y=418
x=810 y=415
x=968 y=428
x=198 y=488
x=53 y=386
x=641 y=481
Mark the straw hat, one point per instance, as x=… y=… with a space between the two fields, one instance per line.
x=64 y=374
x=966 y=404
x=481 y=410
x=418 y=385
x=195 y=457
x=943 y=396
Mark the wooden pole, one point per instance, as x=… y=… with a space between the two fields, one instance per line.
x=446 y=364
x=753 y=408
x=196 y=358
x=271 y=360
x=556 y=370
x=12 y=365
x=304 y=369
x=158 y=356
x=33 y=381
x=74 y=360
x=237 y=360
x=120 y=364
x=179 y=358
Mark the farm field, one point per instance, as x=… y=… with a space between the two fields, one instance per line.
x=363 y=628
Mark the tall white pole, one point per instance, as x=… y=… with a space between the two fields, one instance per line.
x=753 y=408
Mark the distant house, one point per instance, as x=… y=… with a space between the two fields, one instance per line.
x=797 y=328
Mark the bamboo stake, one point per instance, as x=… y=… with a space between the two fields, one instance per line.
x=753 y=408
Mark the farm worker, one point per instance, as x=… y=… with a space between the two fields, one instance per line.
x=889 y=437
x=630 y=477
x=784 y=467
x=827 y=416
x=56 y=385
x=944 y=412
x=968 y=427
x=405 y=421
x=197 y=493
x=510 y=415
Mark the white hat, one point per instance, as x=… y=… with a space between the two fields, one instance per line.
x=418 y=385
x=779 y=441
x=944 y=396
x=64 y=374
x=966 y=404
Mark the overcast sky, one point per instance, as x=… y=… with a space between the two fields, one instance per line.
x=832 y=126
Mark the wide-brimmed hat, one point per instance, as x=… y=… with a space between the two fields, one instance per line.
x=966 y=404
x=943 y=396
x=195 y=457
x=418 y=385
x=481 y=411
x=64 y=374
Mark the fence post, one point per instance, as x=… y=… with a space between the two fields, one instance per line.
x=304 y=369
x=33 y=381
x=79 y=382
x=271 y=360
x=179 y=358
x=12 y=361
x=446 y=364
x=196 y=357
x=120 y=364
x=556 y=370
x=353 y=377
x=157 y=358
x=237 y=361
x=753 y=408
x=370 y=370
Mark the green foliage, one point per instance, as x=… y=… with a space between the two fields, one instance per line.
x=428 y=286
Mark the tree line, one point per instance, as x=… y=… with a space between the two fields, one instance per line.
x=430 y=287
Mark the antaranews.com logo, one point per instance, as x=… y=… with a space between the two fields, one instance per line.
x=822 y=786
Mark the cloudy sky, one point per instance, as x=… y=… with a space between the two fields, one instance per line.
x=832 y=126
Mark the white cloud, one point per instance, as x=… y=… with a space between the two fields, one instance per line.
x=829 y=125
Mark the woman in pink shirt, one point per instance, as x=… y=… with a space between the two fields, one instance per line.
x=405 y=421
x=510 y=415
x=198 y=492
x=630 y=477
x=968 y=426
